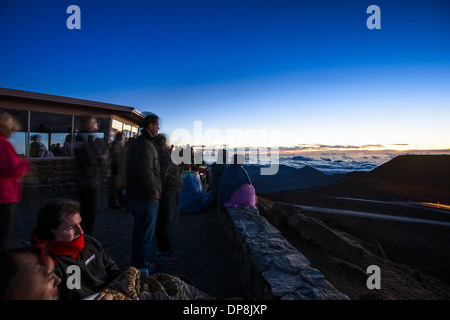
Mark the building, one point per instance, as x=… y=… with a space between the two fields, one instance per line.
x=54 y=120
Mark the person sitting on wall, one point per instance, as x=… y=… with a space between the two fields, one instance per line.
x=58 y=230
x=217 y=168
x=192 y=197
x=235 y=186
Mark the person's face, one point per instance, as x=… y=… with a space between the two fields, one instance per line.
x=9 y=128
x=69 y=228
x=39 y=278
x=50 y=281
x=92 y=125
x=162 y=145
x=153 y=128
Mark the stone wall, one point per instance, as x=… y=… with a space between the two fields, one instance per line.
x=50 y=174
x=270 y=267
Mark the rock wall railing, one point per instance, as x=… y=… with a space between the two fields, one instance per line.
x=270 y=267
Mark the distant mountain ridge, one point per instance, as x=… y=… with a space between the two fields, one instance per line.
x=288 y=178
x=406 y=177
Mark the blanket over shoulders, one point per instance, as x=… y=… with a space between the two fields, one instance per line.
x=131 y=285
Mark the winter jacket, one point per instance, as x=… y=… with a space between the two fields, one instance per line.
x=170 y=173
x=97 y=270
x=192 y=198
x=12 y=168
x=92 y=163
x=143 y=170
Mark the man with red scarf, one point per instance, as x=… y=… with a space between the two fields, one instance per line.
x=58 y=230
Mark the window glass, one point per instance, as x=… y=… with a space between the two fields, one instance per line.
x=126 y=131
x=134 y=132
x=116 y=126
x=19 y=141
x=102 y=125
x=48 y=133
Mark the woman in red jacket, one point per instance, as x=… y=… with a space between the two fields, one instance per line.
x=12 y=168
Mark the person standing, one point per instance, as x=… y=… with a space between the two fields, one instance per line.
x=92 y=166
x=144 y=191
x=168 y=207
x=12 y=169
x=115 y=187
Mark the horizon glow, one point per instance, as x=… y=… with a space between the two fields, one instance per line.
x=313 y=72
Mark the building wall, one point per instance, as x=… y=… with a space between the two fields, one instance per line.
x=50 y=174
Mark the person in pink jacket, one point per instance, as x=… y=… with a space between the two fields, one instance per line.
x=12 y=168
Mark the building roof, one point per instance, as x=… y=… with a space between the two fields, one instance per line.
x=129 y=112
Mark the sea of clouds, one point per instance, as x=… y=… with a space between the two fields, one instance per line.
x=335 y=164
x=332 y=164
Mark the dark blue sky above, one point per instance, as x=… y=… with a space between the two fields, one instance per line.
x=270 y=58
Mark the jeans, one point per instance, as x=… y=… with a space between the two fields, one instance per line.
x=145 y=214
x=166 y=215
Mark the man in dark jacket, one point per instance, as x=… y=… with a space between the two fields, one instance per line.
x=144 y=191
x=80 y=261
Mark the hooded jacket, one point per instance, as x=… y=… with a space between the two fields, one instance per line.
x=233 y=178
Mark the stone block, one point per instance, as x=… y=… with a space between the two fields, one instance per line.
x=270 y=266
x=282 y=283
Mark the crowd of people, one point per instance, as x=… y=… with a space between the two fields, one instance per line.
x=63 y=259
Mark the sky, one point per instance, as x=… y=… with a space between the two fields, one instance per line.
x=301 y=76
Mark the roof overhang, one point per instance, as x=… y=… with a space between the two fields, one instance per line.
x=125 y=111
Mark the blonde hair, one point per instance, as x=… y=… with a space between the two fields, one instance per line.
x=8 y=124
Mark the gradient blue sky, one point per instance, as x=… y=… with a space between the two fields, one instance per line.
x=311 y=70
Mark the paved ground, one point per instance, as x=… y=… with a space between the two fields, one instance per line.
x=206 y=259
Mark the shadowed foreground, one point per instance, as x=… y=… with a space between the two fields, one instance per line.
x=206 y=260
